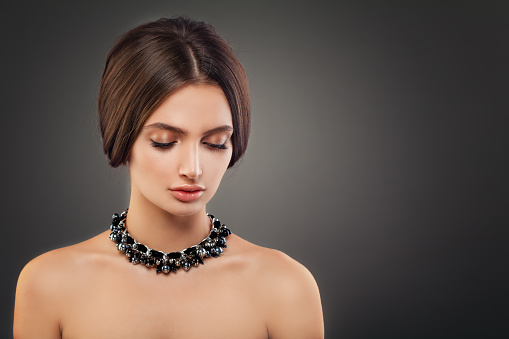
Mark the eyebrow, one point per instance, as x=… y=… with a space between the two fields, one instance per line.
x=161 y=125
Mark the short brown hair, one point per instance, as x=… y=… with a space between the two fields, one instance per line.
x=152 y=60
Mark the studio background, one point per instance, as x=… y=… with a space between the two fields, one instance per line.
x=378 y=153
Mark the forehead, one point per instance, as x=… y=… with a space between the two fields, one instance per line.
x=194 y=108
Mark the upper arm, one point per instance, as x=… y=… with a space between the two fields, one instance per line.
x=294 y=306
x=35 y=311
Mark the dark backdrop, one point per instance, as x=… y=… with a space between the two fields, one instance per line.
x=378 y=155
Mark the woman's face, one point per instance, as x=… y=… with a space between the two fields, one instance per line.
x=183 y=150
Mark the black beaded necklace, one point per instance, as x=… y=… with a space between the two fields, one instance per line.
x=211 y=246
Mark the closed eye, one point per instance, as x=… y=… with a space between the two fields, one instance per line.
x=163 y=145
x=215 y=147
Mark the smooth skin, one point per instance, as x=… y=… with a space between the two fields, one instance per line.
x=90 y=290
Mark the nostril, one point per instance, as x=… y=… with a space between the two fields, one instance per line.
x=191 y=172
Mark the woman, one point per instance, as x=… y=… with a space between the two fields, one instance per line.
x=174 y=107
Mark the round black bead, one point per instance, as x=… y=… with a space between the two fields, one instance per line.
x=150 y=262
x=115 y=219
x=213 y=252
x=221 y=241
x=225 y=232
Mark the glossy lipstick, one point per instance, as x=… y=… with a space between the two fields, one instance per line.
x=187 y=193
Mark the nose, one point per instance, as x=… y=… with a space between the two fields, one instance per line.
x=190 y=166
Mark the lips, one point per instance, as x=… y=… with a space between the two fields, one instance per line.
x=187 y=193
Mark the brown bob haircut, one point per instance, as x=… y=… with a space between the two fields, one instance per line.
x=151 y=61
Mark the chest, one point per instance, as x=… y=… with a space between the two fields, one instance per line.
x=186 y=305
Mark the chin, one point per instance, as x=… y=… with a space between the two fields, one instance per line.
x=184 y=209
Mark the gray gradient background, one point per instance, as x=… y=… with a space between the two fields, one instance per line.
x=378 y=155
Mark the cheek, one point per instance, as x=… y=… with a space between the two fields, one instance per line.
x=147 y=164
x=217 y=164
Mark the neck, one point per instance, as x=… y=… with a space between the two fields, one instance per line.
x=163 y=231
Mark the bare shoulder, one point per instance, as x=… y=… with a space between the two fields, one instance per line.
x=273 y=266
x=48 y=267
x=288 y=290
x=44 y=282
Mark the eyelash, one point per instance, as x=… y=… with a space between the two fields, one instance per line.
x=215 y=147
x=164 y=145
